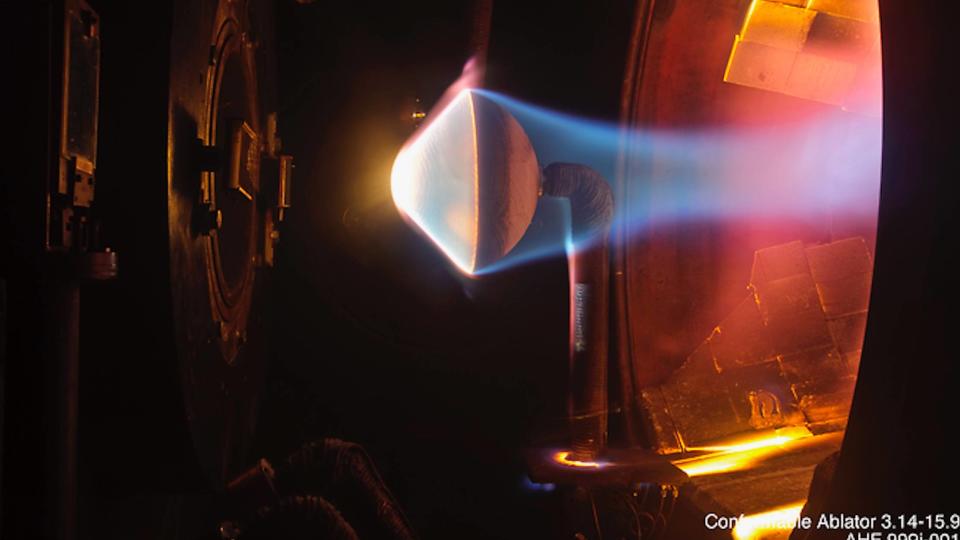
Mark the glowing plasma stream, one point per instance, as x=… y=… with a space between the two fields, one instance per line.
x=788 y=168
x=794 y=171
x=800 y=170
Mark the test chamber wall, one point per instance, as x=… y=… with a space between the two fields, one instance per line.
x=679 y=298
x=683 y=286
x=170 y=353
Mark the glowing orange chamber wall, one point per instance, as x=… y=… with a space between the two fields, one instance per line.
x=822 y=50
x=787 y=354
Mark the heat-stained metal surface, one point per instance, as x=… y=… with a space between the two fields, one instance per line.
x=826 y=51
x=787 y=355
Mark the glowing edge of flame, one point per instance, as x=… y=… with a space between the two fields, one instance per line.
x=403 y=196
x=563 y=458
x=778 y=438
x=738 y=455
x=781 y=518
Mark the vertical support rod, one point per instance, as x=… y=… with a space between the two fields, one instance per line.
x=589 y=343
x=591 y=212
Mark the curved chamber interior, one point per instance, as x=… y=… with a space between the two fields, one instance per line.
x=745 y=353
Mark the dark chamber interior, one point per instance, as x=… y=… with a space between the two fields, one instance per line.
x=238 y=328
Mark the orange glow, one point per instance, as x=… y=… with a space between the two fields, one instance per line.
x=462 y=225
x=754 y=442
x=783 y=47
x=773 y=524
x=563 y=458
x=746 y=19
x=739 y=454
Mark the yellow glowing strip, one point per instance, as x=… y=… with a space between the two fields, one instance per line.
x=738 y=454
x=733 y=53
x=777 y=438
x=775 y=523
x=739 y=37
x=746 y=20
x=476 y=183
x=715 y=464
x=563 y=458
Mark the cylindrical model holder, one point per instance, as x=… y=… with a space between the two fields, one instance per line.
x=591 y=211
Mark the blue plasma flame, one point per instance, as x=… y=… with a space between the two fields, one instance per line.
x=793 y=171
